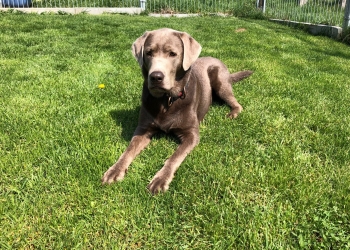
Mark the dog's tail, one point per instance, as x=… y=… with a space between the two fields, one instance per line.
x=236 y=77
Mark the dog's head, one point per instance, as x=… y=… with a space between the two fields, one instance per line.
x=164 y=56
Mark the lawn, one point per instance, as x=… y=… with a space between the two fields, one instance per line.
x=277 y=177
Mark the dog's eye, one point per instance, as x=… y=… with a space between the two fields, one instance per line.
x=149 y=53
x=172 y=54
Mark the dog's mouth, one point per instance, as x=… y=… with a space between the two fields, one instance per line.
x=156 y=88
x=157 y=91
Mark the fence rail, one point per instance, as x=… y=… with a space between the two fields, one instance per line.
x=329 y=12
x=183 y=6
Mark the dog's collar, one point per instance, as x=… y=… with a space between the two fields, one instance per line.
x=181 y=94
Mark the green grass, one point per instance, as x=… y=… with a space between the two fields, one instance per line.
x=277 y=177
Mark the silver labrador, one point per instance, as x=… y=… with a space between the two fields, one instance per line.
x=176 y=95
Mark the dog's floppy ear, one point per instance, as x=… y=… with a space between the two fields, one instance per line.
x=137 y=48
x=192 y=49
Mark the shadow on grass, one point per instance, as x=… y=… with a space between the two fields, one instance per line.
x=127 y=119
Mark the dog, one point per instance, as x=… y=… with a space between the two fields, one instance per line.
x=176 y=95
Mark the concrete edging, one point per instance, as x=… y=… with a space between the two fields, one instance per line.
x=91 y=11
x=315 y=29
x=95 y=11
x=173 y=15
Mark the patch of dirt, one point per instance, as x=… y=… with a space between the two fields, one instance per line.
x=240 y=30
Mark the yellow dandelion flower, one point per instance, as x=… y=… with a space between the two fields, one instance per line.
x=101 y=86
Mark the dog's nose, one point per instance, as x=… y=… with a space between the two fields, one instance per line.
x=157 y=77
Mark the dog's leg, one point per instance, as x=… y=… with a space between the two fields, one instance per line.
x=226 y=94
x=221 y=82
x=224 y=91
x=161 y=181
x=118 y=170
x=236 y=108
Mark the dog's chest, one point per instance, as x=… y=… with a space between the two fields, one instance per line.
x=168 y=118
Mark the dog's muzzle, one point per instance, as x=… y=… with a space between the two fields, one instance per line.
x=156 y=78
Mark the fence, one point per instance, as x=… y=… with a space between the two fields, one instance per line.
x=197 y=6
x=154 y=6
x=329 y=12
x=71 y=3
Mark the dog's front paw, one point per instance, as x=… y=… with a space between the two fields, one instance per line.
x=235 y=112
x=113 y=174
x=159 y=183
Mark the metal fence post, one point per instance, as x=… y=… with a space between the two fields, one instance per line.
x=346 y=23
x=264 y=8
x=143 y=4
x=261 y=4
